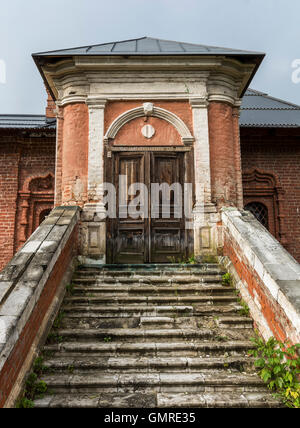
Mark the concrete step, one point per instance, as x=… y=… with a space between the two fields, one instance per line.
x=155 y=382
x=160 y=349
x=162 y=400
x=77 y=365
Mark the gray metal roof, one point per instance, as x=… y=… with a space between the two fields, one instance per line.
x=260 y=110
x=26 y=121
x=147 y=46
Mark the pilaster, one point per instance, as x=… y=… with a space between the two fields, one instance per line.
x=204 y=211
x=93 y=225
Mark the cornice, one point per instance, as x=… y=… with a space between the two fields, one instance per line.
x=224 y=77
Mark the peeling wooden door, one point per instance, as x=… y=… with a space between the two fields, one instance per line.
x=159 y=237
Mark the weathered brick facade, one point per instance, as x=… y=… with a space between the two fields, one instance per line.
x=275 y=152
x=272 y=152
x=27 y=165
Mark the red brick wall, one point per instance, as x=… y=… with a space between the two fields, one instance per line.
x=21 y=157
x=182 y=109
x=224 y=156
x=75 y=154
x=58 y=166
x=278 y=152
x=13 y=365
x=272 y=312
x=9 y=171
x=51 y=106
x=131 y=133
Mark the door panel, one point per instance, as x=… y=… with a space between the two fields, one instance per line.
x=167 y=223
x=129 y=234
x=144 y=240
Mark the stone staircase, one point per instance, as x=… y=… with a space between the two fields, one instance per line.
x=151 y=336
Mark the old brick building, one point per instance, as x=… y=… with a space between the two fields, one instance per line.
x=153 y=123
x=269 y=136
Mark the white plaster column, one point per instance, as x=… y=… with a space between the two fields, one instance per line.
x=204 y=211
x=96 y=150
x=201 y=151
x=93 y=230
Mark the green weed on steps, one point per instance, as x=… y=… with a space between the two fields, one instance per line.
x=34 y=388
x=278 y=365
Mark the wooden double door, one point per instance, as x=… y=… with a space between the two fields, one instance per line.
x=152 y=231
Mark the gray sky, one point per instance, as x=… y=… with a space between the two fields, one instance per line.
x=27 y=26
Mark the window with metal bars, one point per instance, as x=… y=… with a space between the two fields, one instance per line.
x=260 y=211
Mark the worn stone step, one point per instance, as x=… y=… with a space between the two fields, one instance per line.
x=234 y=322
x=152 y=336
x=92 y=400
x=160 y=279
x=217 y=400
x=120 y=300
x=166 y=290
x=164 y=322
x=88 y=320
x=144 y=269
x=155 y=382
x=129 y=334
x=159 y=400
x=150 y=272
x=183 y=348
x=72 y=364
x=81 y=311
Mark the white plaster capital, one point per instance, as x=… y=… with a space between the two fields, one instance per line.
x=198 y=103
x=238 y=103
x=96 y=102
x=71 y=99
x=222 y=98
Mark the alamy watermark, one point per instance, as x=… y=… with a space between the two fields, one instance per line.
x=296 y=72
x=2 y=71
x=158 y=201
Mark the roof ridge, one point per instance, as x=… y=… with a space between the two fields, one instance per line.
x=21 y=115
x=208 y=48
x=88 y=47
x=270 y=108
x=265 y=95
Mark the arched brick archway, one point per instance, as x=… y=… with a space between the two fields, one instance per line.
x=35 y=199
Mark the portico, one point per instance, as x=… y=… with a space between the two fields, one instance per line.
x=145 y=107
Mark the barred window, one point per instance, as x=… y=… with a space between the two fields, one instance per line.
x=260 y=211
x=44 y=214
